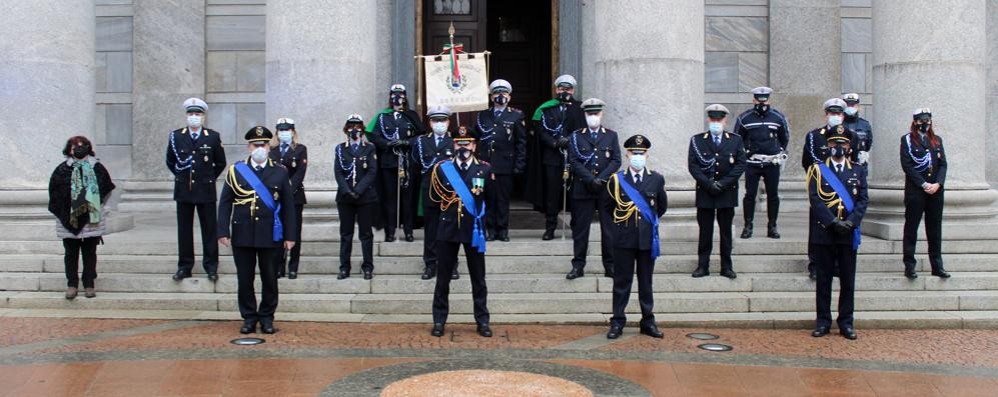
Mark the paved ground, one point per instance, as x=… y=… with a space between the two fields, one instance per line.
x=55 y=357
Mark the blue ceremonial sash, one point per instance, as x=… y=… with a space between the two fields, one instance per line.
x=477 y=233
x=843 y=193
x=268 y=200
x=650 y=216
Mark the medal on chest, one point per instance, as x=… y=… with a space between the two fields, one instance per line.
x=608 y=153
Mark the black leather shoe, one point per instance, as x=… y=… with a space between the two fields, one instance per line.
x=747 y=231
x=652 y=331
x=180 y=275
x=280 y=274
x=484 y=330
x=575 y=273
x=548 y=235
x=455 y=275
x=409 y=238
x=909 y=272
x=428 y=273
x=389 y=239
x=267 y=328
x=729 y=273
x=504 y=237
x=772 y=232
x=343 y=274
x=489 y=236
x=248 y=328
x=213 y=277
x=812 y=271
x=438 y=330
x=848 y=333
x=819 y=332
x=608 y=273
x=292 y=275
x=614 y=332
x=368 y=275
x=941 y=273
x=701 y=272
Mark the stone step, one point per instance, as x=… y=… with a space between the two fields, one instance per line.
x=501 y=283
x=512 y=303
x=553 y=264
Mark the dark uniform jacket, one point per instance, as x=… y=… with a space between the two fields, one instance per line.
x=592 y=158
x=816 y=146
x=502 y=141
x=709 y=163
x=427 y=153
x=634 y=232
x=408 y=125
x=355 y=172
x=456 y=224
x=863 y=131
x=913 y=146
x=766 y=133
x=854 y=178
x=296 y=162
x=252 y=222
x=195 y=165
x=569 y=117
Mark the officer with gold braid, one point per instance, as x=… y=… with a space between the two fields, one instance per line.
x=258 y=202
x=637 y=201
x=837 y=191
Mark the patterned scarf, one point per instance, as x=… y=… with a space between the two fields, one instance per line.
x=85 y=199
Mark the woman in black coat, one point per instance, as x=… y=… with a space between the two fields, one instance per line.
x=355 y=168
x=923 y=160
x=286 y=150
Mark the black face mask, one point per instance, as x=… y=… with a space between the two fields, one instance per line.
x=838 y=151
x=762 y=107
x=81 y=152
x=464 y=153
x=565 y=96
x=398 y=100
x=355 y=133
x=500 y=100
x=923 y=128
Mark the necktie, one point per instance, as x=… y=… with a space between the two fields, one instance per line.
x=464 y=167
x=438 y=141
x=397 y=114
x=258 y=168
x=354 y=147
x=637 y=178
x=594 y=134
x=838 y=169
x=497 y=114
x=284 y=149
x=717 y=140
x=194 y=136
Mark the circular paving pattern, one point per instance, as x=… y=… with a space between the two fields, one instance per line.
x=485 y=383
x=483 y=377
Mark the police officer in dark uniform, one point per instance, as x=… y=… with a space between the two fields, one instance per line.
x=765 y=132
x=258 y=202
x=195 y=156
x=554 y=122
x=594 y=153
x=427 y=151
x=458 y=186
x=923 y=160
x=837 y=191
x=862 y=130
x=815 y=150
x=502 y=138
x=288 y=151
x=716 y=161
x=391 y=132
x=635 y=232
x=355 y=169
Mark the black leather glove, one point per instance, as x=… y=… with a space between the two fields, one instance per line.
x=400 y=143
x=596 y=184
x=715 y=188
x=562 y=143
x=841 y=228
x=354 y=195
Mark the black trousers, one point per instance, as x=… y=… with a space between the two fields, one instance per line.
x=916 y=203
x=446 y=265
x=185 y=236
x=247 y=259
x=497 y=216
x=771 y=174
x=388 y=198
x=289 y=262
x=828 y=257
x=705 y=218
x=554 y=188
x=582 y=219
x=74 y=246
x=363 y=216
x=431 y=218
x=625 y=262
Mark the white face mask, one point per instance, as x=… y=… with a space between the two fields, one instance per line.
x=715 y=127
x=851 y=111
x=285 y=136
x=592 y=120
x=194 y=121
x=834 y=121
x=439 y=128
x=259 y=154
x=638 y=161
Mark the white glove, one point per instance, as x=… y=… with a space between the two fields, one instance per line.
x=863 y=157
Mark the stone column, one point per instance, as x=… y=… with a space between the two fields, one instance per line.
x=169 y=66
x=805 y=68
x=46 y=96
x=992 y=89
x=932 y=54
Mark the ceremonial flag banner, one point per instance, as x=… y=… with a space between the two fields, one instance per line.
x=459 y=81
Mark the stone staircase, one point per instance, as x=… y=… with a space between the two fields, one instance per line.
x=526 y=283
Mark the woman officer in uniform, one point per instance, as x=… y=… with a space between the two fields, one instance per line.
x=923 y=160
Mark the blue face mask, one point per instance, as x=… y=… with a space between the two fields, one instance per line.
x=834 y=121
x=715 y=127
x=638 y=161
x=851 y=111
